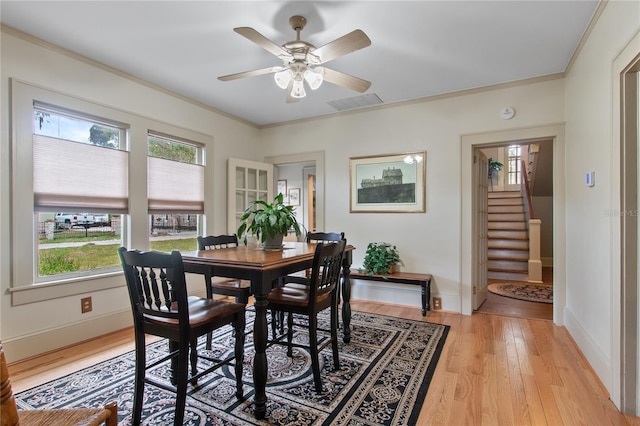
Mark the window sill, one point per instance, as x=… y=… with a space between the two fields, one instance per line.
x=64 y=288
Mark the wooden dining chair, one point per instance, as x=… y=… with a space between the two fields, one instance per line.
x=161 y=307
x=324 y=237
x=11 y=416
x=240 y=289
x=311 y=237
x=318 y=293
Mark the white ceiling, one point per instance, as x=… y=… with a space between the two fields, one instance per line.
x=418 y=49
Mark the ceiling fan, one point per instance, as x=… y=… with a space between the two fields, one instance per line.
x=302 y=61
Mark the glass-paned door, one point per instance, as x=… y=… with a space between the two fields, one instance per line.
x=247 y=181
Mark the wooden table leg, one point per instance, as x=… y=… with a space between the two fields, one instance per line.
x=346 y=303
x=260 y=359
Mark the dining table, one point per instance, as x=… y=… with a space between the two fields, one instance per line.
x=262 y=267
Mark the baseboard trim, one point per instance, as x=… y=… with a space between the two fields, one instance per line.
x=600 y=363
x=36 y=344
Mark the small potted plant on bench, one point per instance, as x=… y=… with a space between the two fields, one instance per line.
x=380 y=259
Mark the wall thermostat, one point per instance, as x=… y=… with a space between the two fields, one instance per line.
x=507 y=113
x=590 y=178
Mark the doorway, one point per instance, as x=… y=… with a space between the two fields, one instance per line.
x=307 y=171
x=554 y=134
x=506 y=241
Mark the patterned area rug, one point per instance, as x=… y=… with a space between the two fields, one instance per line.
x=542 y=293
x=384 y=376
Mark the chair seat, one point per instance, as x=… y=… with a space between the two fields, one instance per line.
x=201 y=311
x=293 y=294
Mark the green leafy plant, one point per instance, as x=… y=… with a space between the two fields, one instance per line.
x=380 y=258
x=266 y=220
x=494 y=167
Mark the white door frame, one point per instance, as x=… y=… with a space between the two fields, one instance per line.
x=468 y=239
x=305 y=157
x=625 y=358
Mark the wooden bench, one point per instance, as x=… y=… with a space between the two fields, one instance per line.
x=423 y=280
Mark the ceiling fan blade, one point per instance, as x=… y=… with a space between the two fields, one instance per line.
x=346 y=80
x=262 y=41
x=250 y=73
x=348 y=43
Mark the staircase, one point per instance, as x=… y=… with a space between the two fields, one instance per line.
x=507 y=242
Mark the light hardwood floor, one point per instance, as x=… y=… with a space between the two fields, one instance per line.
x=494 y=370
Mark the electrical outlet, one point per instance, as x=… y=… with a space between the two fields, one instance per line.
x=437 y=303
x=85 y=302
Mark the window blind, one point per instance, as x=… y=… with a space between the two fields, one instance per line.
x=175 y=187
x=73 y=176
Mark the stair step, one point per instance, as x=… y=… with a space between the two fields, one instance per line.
x=504 y=194
x=511 y=244
x=502 y=254
x=507 y=266
x=504 y=201
x=505 y=208
x=515 y=226
x=507 y=234
x=505 y=217
x=511 y=276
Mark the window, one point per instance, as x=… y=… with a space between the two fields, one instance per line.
x=80 y=187
x=513 y=162
x=81 y=174
x=176 y=192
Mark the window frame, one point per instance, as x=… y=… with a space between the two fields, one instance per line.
x=24 y=288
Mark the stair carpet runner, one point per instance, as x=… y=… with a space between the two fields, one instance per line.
x=508 y=241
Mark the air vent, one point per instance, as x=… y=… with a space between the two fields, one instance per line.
x=356 y=102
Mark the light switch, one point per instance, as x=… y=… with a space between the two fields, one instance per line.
x=590 y=178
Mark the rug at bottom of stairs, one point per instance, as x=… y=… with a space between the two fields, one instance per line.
x=542 y=293
x=384 y=375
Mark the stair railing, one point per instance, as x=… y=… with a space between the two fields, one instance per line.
x=533 y=228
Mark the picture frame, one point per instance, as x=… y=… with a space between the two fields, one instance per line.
x=294 y=196
x=389 y=183
x=281 y=187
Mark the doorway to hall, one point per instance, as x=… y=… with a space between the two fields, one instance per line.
x=520 y=177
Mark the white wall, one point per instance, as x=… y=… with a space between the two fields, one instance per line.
x=37 y=327
x=591 y=278
x=428 y=242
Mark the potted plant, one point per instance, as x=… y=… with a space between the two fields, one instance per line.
x=380 y=259
x=494 y=167
x=269 y=222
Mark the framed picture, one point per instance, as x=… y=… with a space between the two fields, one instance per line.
x=391 y=183
x=294 y=197
x=282 y=187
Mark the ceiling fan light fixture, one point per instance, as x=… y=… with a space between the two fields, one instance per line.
x=297 y=89
x=313 y=78
x=283 y=78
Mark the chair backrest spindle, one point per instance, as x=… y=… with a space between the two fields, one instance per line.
x=212 y=242
x=325 y=277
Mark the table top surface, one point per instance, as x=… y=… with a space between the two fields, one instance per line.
x=254 y=257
